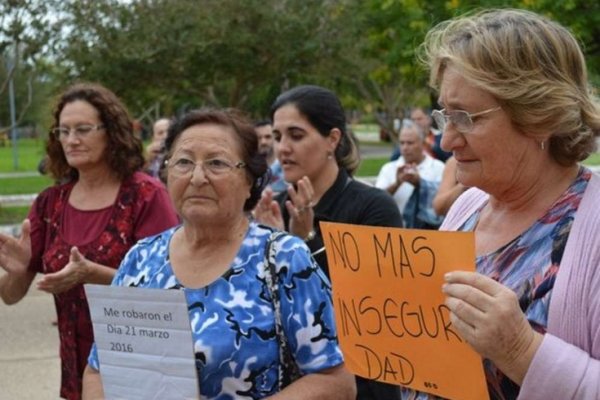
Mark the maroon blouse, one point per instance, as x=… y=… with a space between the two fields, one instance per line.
x=142 y=208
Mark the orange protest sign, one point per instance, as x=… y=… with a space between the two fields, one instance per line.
x=391 y=319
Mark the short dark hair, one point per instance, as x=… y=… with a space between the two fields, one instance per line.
x=324 y=111
x=262 y=122
x=124 y=151
x=257 y=170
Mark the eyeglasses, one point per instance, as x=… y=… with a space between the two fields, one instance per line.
x=62 y=132
x=462 y=120
x=212 y=167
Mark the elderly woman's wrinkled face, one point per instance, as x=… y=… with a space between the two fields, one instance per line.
x=493 y=155
x=301 y=149
x=83 y=139
x=206 y=177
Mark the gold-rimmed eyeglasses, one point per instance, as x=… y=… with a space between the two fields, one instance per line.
x=462 y=120
x=214 y=167
x=80 y=131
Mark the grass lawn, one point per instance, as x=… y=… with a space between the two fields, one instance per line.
x=24 y=185
x=29 y=154
x=13 y=215
x=371 y=166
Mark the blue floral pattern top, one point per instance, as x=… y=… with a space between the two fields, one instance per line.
x=232 y=320
x=528 y=265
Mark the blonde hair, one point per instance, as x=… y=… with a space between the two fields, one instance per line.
x=534 y=67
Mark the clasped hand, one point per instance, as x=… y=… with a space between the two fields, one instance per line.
x=299 y=207
x=408 y=173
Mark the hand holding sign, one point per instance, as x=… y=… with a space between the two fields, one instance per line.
x=487 y=314
x=392 y=322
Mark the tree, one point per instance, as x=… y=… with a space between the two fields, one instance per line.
x=170 y=55
x=26 y=32
x=218 y=52
x=582 y=17
x=387 y=75
x=388 y=33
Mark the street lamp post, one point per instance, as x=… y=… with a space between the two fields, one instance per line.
x=13 y=120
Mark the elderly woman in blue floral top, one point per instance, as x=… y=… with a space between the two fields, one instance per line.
x=214 y=177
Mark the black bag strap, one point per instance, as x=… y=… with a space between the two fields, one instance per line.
x=288 y=369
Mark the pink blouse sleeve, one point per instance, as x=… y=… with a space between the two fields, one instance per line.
x=560 y=370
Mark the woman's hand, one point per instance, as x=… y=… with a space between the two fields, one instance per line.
x=267 y=211
x=487 y=315
x=15 y=254
x=71 y=275
x=91 y=384
x=300 y=208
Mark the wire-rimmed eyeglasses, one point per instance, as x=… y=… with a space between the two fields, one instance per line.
x=182 y=166
x=80 y=131
x=462 y=120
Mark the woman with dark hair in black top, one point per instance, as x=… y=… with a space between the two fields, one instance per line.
x=318 y=157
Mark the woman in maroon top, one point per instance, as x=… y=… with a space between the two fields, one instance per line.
x=78 y=231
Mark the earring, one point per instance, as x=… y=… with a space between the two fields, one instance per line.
x=329 y=155
x=543 y=145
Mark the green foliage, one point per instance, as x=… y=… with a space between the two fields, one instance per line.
x=183 y=54
x=582 y=17
x=171 y=55
x=387 y=76
x=388 y=32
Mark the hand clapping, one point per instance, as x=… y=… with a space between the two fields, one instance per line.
x=299 y=207
x=71 y=275
x=409 y=173
x=15 y=254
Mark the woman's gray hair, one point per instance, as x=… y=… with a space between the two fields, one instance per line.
x=533 y=66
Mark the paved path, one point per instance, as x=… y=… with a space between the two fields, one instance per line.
x=17 y=199
x=24 y=174
x=29 y=362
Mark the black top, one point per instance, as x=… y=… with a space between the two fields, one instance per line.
x=350 y=202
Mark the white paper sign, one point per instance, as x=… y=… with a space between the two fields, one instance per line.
x=144 y=342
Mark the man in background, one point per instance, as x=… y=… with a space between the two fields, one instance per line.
x=413 y=179
x=155 y=150
x=267 y=147
x=433 y=137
